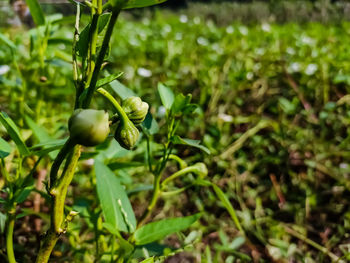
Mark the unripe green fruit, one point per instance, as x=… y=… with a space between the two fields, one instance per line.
x=88 y=127
x=135 y=109
x=127 y=134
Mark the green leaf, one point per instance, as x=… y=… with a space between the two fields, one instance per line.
x=13 y=131
x=83 y=42
x=42 y=136
x=49 y=144
x=102 y=21
x=194 y=143
x=148 y=260
x=158 y=230
x=121 y=90
x=227 y=204
x=166 y=95
x=8 y=42
x=23 y=194
x=36 y=12
x=114 y=201
x=142 y=3
x=2 y=222
x=124 y=165
x=108 y=79
x=180 y=103
x=5 y=148
x=59 y=40
x=125 y=246
x=39 y=132
x=150 y=125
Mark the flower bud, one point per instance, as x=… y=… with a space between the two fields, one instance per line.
x=201 y=169
x=127 y=134
x=135 y=109
x=88 y=127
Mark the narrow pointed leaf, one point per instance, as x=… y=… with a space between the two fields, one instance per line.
x=13 y=131
x=5 y=148
x=36 y=12
x=166 y=95
x=158 y=230
x=227 y=204
x=42 y=136
x=108 y=79
x=194 y=143
x=142 y=3
x=121 y=90
x=114 y=201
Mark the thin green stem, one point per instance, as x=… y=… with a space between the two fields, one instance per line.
x=155 y=195
x=179 y=173
x=93 y=42
x=176 y=158
x=67 y=147
x=149 y=154
x=100 y=58
x=324 y=250
x=115 y=103
x=4 y=170
x=175 y=192
x=9 y=236
x=74 y=56
x=112 y=248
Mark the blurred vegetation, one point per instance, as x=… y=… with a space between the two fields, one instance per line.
x=274 y=111
x=225 y=11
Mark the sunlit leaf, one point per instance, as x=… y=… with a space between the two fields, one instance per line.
x=157 y=230
x=114 y=201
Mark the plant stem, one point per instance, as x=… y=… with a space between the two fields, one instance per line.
x=324 y=250
x=100 y=58
x=179 y=173
x=154 y=199
x=115 y=103
x=9 y=236
x=93 y=41
x=58 y=193
x=67 y=147
x=74 y=57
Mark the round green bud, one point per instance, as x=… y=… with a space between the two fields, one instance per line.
x=127 y=134
x=135 y=109
x=88 y=127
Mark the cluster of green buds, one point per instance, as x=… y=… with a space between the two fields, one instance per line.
x=90 y=127
x=133 y=112
x=135 y=109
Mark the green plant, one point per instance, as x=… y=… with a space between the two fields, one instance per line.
x=88 y=127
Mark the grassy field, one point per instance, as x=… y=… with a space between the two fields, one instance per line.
x=272 y=109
